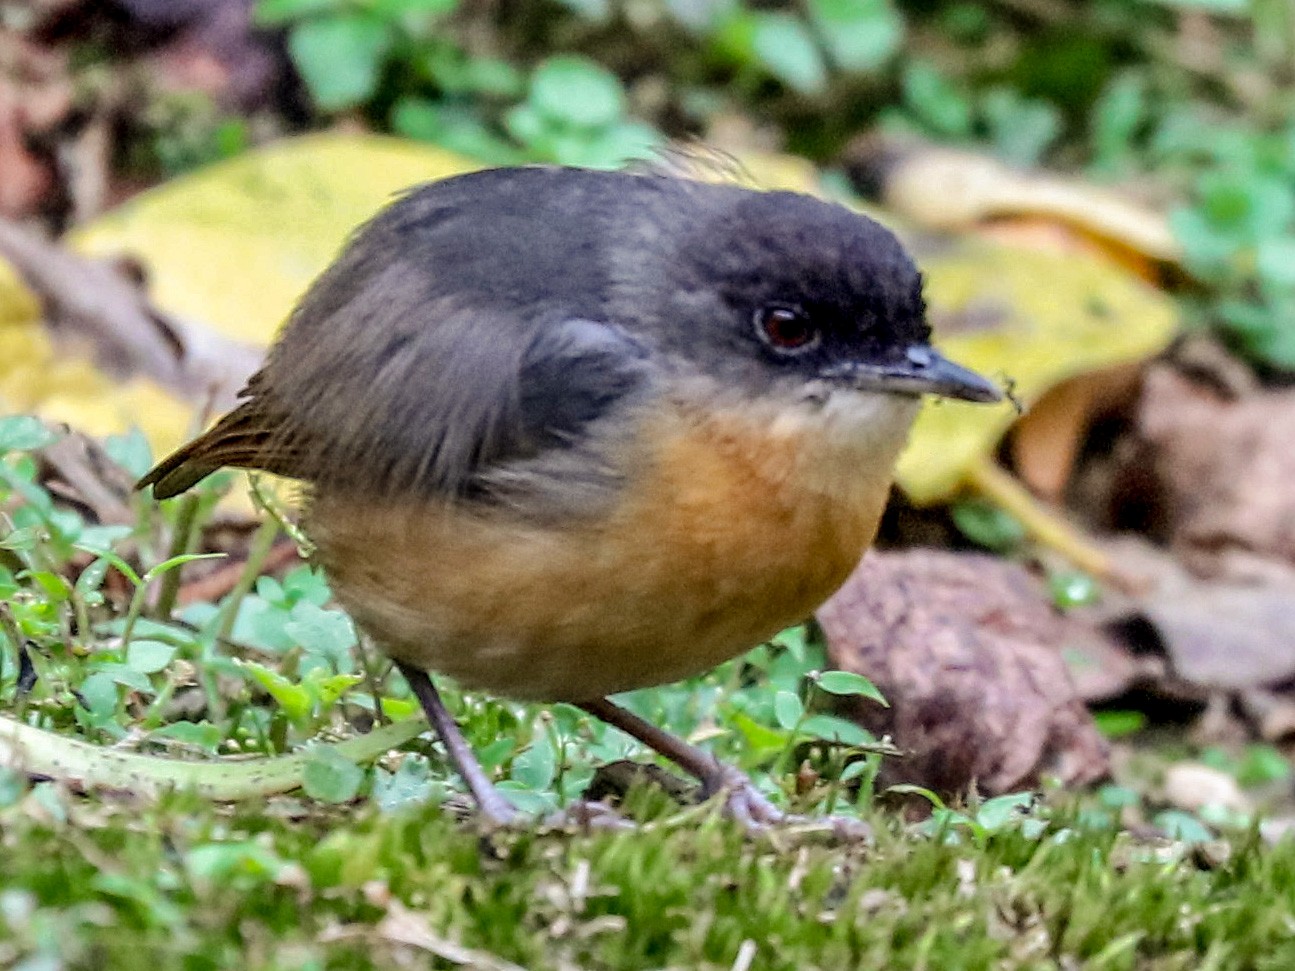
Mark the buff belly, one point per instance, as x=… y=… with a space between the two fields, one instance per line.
x=741 y=525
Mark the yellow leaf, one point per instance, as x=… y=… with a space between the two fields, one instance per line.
x=234 y=245
x=1034 y=317
x=231 y=246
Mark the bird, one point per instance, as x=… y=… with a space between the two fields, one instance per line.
x=564 y=433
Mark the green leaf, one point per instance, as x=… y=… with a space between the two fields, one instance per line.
x=1179 y=825
x=102 y=537
x=23 y=539
x=328 y=633
x=328 y=688
x=131 y=451
x=1118 y=724
x=388 y=9
x=783 y=44
x=1073 y=588
x=1234 y=7
x=988 y=525
x=149 y=657
x=52 y=584
x=306 y=583
x=177 y=561
x=22 y=433
x=787 y=709
x=935 y=101
x=1003 y=811
x=13 y=786
x=1261 y=765
x=831 y=728
x=576 y=91
x=1116 y=118
x=850 y=683
x=860 y=35
x=454 y=127
x=8 y=584
x=908 y=789
x=126 y=676
x=1275 y=261
x=528 y=801
x=98 y=690
x=292 y=698
x=272 y=12
x=331 y=777
x=612 y=147
x=535 y=766
x=1117 y=797
x=340 y=58
x=410 y=784
x=241 y=863
x=122 y=566
x=1263 y=333
x=1022 y=128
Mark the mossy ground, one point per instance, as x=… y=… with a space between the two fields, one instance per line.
x=102 y=883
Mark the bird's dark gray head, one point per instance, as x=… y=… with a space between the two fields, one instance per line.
x=766 y=288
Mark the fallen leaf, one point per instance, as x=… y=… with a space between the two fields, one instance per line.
x=26 y=181
x=945 y=188
x=1217 y=634
x=1046 y=441
x=235 y=244
x=1035 y=317
x=231 y=246
x=1225 y=465
x=1226 y=636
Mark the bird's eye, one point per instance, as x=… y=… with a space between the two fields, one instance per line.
x=787 y=330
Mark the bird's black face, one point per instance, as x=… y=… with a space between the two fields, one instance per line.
x=810 y=292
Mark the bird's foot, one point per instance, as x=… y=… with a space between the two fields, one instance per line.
x=750 y=808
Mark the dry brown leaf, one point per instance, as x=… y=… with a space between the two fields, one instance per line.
x=1217 y=635
x=25 y=181
x=1225 y=463
x=1226 y=636
x=967 y=649
x=1046 y=440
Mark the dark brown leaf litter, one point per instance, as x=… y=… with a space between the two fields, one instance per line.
x=1229 y=633
x=969 y=652
x=1225 y=466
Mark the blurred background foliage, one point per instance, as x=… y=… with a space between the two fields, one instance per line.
x=1186 y=102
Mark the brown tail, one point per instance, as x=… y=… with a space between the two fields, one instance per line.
x=238 y=440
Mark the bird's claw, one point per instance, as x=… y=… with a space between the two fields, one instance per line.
x=747 y=806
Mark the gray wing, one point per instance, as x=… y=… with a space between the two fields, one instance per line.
x=462 y=415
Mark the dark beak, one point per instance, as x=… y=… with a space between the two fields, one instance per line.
x=921 y=370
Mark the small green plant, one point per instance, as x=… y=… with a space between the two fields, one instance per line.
x=1238 y=233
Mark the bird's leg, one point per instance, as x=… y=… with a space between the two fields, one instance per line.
x=496 y=810
x=742 y=801
x=494 y=807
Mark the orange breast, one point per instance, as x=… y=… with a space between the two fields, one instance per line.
x=740 y=525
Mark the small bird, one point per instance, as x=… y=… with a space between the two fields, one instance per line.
x=565 y=433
